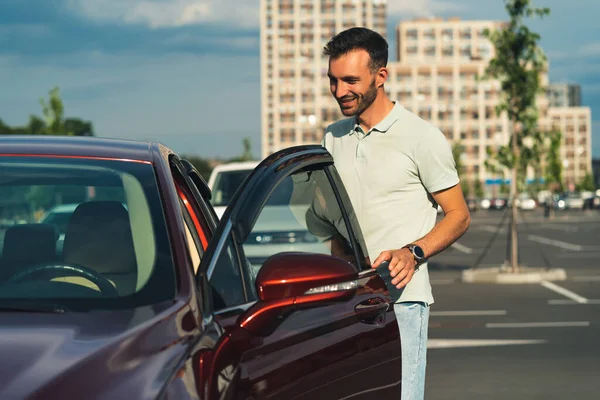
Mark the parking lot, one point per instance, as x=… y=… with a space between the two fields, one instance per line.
x=532 y=341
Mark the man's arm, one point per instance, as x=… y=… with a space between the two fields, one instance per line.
x=453 y=225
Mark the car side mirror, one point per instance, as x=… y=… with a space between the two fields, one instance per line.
x=290 y=281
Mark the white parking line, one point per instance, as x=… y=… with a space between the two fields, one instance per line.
x=564 y=324
x=557 y=243
x=563 y=227
x=582 y=254
x=565 y=292
x=567 y=302
x=466 y=313
x=582 y=278
x=462 y=248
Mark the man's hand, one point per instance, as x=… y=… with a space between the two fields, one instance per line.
x=402 y=265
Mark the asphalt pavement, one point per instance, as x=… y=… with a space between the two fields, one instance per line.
x=531 y=341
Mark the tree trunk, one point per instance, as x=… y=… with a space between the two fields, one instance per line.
x=514 y=239
x=514 y=254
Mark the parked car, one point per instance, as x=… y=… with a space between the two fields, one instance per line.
x=498 y=203
x=59 y=216
x=152 y=297
x=574 y=201
x=485 y=203
x=526 y=202
x=225 y=179
x=280 y=227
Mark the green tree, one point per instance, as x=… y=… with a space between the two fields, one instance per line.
x=246 y=154
x=517 y=65
x=36 y=126
x=53 y=110
x=554 y=167
x=457 y=152
x=478 y=189
x=53 y=121
x=587 y=183
x=79 y=127
x=5 y=129
x=201 y=164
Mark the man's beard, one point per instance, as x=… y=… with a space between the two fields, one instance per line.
x=364 y=101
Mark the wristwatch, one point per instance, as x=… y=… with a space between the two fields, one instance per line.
x=417 y=253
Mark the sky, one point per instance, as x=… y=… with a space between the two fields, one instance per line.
x=187 y=72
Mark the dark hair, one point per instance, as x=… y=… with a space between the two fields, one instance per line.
x=359 y=39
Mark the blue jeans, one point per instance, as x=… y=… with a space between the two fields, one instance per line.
x=413 y=321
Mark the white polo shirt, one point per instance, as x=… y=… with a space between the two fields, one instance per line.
x=389 y=173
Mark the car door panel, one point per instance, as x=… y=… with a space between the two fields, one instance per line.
x=323 y=353
x=349 y=349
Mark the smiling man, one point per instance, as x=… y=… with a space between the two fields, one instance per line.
x=397 y=168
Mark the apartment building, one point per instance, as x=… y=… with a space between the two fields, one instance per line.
x=295 y=98
x=437 y=75
x=575 y=124
x=564 y=95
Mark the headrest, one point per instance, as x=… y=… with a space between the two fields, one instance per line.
x=99 y=237
x=29 y=244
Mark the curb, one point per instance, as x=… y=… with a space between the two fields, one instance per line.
x=502 y=275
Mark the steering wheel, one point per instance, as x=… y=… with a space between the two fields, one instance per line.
x=61 y=270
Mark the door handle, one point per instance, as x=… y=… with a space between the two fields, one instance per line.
x=372 y=311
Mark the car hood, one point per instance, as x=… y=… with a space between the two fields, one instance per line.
x=276 y=218
x=104 y=355
x=281 y=219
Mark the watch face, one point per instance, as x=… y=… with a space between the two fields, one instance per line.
x=419 y=252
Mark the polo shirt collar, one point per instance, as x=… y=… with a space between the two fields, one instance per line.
x=385 y=124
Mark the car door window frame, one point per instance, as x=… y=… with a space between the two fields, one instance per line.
x=229 y=231
x=195 y=220
x=334 y=177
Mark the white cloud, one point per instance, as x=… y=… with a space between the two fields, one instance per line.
x=422 y=8
x=590 y=50
x=169 y=13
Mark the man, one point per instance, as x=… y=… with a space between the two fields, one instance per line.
x=397 y=168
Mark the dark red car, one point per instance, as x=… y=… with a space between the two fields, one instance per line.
x=145 y=295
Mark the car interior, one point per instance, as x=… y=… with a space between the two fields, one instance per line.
x=113 y=242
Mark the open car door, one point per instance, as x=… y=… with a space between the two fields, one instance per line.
x=287 y=284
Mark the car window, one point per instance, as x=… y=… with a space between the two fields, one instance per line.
x=302 y=214
x=226 y=184
x=229 y=278
x=100 y=216
x=351 y=219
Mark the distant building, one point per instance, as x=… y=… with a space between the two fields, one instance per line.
x=435 y=75
x=575 y=125
x=295 y=97
x=564 y=95
x=596 y=171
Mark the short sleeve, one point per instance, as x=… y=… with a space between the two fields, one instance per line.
x=435 y=163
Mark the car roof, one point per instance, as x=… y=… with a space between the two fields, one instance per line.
x=76 y=146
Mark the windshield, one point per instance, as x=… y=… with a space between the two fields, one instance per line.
x=82 y=233
x=226 y=184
